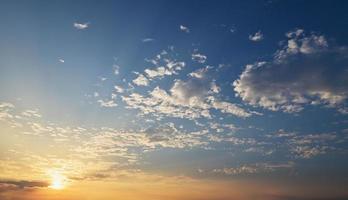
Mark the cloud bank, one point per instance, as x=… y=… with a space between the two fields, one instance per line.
x=307 y=70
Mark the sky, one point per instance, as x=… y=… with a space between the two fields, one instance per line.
x=173 y=100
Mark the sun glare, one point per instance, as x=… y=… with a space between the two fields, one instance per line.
x=58 y=181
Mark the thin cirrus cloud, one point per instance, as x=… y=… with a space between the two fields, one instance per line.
x=147 y=40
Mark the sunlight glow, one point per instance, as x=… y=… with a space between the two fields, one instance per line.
x=58 y=181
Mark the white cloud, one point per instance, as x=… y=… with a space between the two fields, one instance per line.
x=119 y=89
x=258 y=36
x=186 y=99
x=108 y=104
x=31 y=113
x=159 y=72
x=116 y=69
x=184 y=29
x=147 y=40
x=305 y=71
x=81 y=26
x=164 y=65
x=141 y=80
x=61 y=60
x=226 y=107
x=199 y=57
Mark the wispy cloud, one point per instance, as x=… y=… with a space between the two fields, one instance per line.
x=8 y=185
x=148 y=40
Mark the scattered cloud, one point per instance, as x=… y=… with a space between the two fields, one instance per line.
x=199 y=57
x=148 y=40
x=141 y=80
x=116 y=69
x=164 y=65
x=81 y=26
x=307 y=71
x=186 y=99
x=61 y=61
x=254 y=168
x=119 y=89
x=258 y=36
x=184 y=29
x=107 y=104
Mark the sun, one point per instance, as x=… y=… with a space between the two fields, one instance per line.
x=58 y=181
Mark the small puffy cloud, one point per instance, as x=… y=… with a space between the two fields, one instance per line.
x=141 y=80
x=159 y=72
x=305 y=146
x=61 y=60
x=31 y=113
x=108 y=104
x=119 y=89
x=258 y=36
x=199 y=57
x=81 y=26
x=308 y=146
x=184 y=29
x=116 y=69
x=165 y=65
x=200 y=73
x=306 y=71
x=189 y=99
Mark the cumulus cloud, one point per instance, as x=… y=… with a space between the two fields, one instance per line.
x=258 y=36
x=186 y=99
x=307 y=70
x=164 y=65
x=141 y=80
x=184 y=29
x=107 y=104
x=199 y=57
x=61 y=60
x=81 y=26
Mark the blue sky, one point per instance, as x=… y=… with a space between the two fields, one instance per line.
x=213 y=90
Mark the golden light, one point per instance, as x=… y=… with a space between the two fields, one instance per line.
x=58 y=181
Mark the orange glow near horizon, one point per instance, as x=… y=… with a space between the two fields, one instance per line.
x=58 y=181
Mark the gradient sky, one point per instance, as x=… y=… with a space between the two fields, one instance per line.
x=173 y=100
